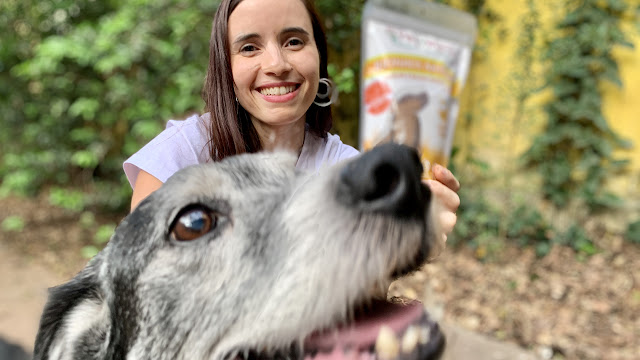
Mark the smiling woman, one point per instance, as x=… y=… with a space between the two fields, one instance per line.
x=266 y=61
x=266 y=88
x=275 y=65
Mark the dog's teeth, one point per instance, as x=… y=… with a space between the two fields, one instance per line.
x=410 y=339
x=387 y=345
x=424 y=335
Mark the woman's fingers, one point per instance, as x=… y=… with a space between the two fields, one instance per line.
x=447 y=221
x=443 y=175
x=447 y=197
x=445 y=188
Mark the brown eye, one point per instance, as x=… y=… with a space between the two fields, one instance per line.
x=193 y=223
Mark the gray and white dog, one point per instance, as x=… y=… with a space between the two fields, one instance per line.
x=249 y=258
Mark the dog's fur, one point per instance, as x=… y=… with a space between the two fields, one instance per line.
x=288 y=253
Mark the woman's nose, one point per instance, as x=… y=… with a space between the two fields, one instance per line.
x=275 y=61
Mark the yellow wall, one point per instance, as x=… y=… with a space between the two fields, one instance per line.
x=622 y=106
x=493 y=128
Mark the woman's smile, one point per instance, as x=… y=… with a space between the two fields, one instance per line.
x=279 y=93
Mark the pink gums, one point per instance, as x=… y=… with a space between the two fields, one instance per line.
x=363 y=332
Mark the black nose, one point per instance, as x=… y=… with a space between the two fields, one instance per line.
x=385 y=179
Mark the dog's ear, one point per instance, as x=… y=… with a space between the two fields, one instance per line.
x=73 y=311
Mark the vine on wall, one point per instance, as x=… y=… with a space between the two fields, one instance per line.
x=575 y=152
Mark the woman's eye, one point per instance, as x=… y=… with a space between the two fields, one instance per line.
x=193 y=223
x=247 y=49
x=295 y=42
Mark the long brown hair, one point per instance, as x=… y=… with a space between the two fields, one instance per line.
x=230 y=130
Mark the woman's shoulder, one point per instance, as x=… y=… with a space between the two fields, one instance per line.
x=196 y=123
x=180 y=144
x=335 y=145
x=318 y=152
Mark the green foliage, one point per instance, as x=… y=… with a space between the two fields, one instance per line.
x=575 y=153
x=477 y=217
x=342 y=19
x=633 y=232
x=485 y=226
x=576 y=238
x=345 y=79
x=104 y=233
x=100 y=239
x=479 y=224
x=91 y=81
x=89 y=251
x=12 y=224
x=69 y=199
x=528 y=227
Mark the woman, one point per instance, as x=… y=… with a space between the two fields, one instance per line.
x=268 y=63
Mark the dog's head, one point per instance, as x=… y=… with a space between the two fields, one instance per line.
x=250 y=258
x=410 y=104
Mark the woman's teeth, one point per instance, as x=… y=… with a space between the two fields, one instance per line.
x=278 y=90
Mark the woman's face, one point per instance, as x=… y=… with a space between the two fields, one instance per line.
x=274 y=60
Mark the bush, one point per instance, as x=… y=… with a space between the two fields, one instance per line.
x=91 y=81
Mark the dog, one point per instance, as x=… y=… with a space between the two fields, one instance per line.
x=249 y=258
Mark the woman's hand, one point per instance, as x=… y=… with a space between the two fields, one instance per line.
x=445 y=188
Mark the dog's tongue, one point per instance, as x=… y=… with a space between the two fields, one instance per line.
x=344 y=341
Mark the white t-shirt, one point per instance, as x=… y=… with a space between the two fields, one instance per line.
x=184 y=143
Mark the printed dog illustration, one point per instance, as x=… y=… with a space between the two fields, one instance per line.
x=249 y=258
x=405 y=126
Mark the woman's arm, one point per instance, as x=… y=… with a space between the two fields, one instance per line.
x=145 y=185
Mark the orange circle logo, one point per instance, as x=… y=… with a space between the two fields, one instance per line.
x=376 y=97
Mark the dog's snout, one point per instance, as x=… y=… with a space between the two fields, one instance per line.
x=386 y=179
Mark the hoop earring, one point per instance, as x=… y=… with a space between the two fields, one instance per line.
x=331 y=93
x=241 y=113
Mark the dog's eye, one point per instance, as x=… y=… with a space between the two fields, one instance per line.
x=193 y=223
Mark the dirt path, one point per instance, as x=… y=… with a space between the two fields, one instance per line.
x=24 y=284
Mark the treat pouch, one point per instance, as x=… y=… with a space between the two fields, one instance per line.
x=414 y=62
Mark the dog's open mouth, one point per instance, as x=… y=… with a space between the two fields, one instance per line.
x=381 y=331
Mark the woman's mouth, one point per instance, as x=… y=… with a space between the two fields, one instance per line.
x=281 y=93
x=277 y=90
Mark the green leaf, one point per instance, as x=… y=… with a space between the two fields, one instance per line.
x=22 y=181
x=89 y=251
x=85 y=107
x=85 y=159
x=73 y=200
x=103 y=234
x=13 y=223
x=633 y=232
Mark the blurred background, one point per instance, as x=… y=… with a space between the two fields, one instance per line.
x=546 y=252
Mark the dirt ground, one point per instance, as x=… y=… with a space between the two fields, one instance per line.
x=561 y=306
